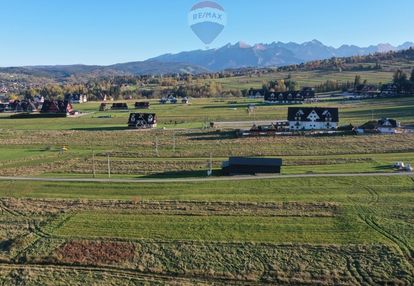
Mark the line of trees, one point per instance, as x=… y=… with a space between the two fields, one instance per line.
x=334 y=85
x=405 y=84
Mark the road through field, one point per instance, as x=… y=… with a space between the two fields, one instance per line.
x=206 y=179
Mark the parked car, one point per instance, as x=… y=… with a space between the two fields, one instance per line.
x=399 y=165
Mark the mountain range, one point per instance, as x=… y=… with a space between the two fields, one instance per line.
x=242 y=55
x=230 y=56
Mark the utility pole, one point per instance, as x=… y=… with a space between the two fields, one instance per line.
x=93 y=164
x=156 y=146
x=109 y=167
x=210 y=165
x=174 y=142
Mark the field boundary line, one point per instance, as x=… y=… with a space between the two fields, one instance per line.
x=189 y=180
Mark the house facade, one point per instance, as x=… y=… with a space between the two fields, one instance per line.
x=170 y=99
x=256 y=93
x=313 y=118
x=289 y=97
x=390 y=89
x=383 y=126
x=388 y=126
x=76 y=98
x=142 y=120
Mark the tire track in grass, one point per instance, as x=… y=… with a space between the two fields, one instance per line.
x=33 y=229
x=116 y=272
x=367 y=215
x=18 y=261
x=355 y=273
x=8 y=210
x=40 y=233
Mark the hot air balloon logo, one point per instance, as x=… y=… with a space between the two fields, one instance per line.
x=207 y=19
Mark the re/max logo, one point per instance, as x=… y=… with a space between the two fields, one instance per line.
x=207 y=15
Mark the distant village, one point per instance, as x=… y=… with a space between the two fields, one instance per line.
x=305 y=115
x=299 y=120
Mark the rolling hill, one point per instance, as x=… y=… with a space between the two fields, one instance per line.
x=230 y=56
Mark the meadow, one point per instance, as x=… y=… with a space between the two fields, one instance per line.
x=180 y=147
x=201 y=112
x=285 y=231
x=307 y=78
x=242 y=232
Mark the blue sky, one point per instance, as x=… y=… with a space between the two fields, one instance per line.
x=108 y=31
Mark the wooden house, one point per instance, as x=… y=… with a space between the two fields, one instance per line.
x=56 y=107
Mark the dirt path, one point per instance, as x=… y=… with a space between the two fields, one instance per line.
x=131 y=274
x=206 y=179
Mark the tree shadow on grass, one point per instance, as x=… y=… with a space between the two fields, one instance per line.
x=181 y=174
x=109 y=128
x=384 y=168
x=211 y=135
x=236 y=105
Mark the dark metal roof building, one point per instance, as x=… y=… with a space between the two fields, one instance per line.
x=142 y=105
x=252 y=166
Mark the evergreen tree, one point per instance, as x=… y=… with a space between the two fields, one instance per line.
x=357 y=81
x=399 y=77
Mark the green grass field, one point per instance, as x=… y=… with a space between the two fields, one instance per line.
x=306 y=78
x=218 y=228
x=284 y=231
x=202 y=111
x=162 y=224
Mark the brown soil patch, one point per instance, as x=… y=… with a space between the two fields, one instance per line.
x=96 y=252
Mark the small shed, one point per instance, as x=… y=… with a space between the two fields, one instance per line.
x=142 y=120
x=119 y=106
x=251 y=166
x=142 y=105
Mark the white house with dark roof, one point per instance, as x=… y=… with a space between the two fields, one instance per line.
x=312 y=118
x=384 y=126
x=388 y=126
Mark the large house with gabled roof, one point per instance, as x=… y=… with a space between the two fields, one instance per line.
x=290 y=97
x=313 y=118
